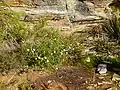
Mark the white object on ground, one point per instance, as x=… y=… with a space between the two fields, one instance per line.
x=102 y=68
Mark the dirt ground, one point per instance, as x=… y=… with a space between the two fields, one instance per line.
x=64 y=78
x=72 y=78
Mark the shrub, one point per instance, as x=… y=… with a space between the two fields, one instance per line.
x=112 y=28
x=46 y=48
x=46 y=52
x=12 y=33
x=11 y=60
x=49 y=49
x=43 y=46
x=74 y=47
x=11 y=28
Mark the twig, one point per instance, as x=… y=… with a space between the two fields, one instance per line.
x=10 y=79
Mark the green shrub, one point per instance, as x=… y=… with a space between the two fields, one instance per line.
x=11 y=60
x=12 y=33
x=43 y=46
x=11 y=28
x=73 y=52
x=46 y=49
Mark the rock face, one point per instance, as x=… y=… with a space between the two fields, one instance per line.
x=75 y=9
x=89 y=9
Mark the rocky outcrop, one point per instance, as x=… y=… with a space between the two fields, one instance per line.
x=76 y=10
x=89 y=10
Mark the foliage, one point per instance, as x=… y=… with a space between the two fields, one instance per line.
x=47 y=48
x=46 y=51
x=12 y=33
x=11 y=60
x=43 y=46
x=74 y=47
x=92 y=61
x=112 y=28
x=10 y=25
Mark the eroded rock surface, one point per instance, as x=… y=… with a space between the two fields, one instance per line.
x=76 y=10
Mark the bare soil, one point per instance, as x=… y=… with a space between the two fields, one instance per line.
x=72 y=78
x=65 y=78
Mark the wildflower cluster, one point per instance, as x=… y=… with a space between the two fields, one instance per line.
x=47 y=51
